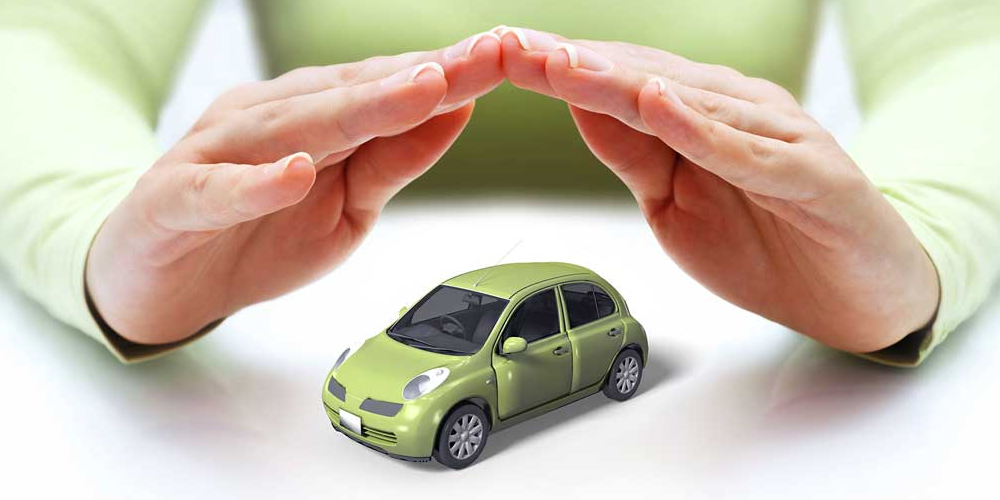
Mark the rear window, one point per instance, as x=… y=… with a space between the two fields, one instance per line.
x=586 y=302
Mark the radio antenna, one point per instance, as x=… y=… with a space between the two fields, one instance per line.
x=488 y=271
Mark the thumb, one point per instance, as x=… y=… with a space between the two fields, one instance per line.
x=196 y=197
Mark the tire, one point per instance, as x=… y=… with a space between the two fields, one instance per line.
x=462 y=437
x=626 y=373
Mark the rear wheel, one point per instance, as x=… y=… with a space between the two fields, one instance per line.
x=626 y=373
x=462 y=437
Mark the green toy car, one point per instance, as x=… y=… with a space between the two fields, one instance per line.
x=483 y=351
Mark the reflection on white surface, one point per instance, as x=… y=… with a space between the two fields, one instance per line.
x=730 y=404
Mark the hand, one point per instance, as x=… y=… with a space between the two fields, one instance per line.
x=741 y=187
x=276 y=184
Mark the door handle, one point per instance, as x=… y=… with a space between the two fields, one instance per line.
x=560 y=351
x=615 y=332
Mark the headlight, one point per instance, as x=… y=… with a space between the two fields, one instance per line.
x=424 y=383
x=344 y=355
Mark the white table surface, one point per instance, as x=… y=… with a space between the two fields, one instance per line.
x=730 y=404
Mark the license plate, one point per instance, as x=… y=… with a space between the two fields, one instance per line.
x=349 y=421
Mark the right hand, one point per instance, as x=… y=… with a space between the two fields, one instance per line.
x=743 y=189
x=276 y=184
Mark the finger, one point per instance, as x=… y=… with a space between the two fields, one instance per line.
x=588 y=80
x=379 y=169
x=710 y=77
x=211 y=197
x=758 y=164
x=641 y=161
x=523 y=55
x=757 y=119
x=329 y=121
x=472 y=67
x=522 y=67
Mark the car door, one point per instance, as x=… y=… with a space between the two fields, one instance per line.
x=594 y=327
x=544 y=371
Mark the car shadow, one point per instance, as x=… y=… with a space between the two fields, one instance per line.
x=661 y=367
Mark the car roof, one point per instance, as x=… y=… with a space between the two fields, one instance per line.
x=505 y=280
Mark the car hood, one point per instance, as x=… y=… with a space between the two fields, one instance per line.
x=382 y=366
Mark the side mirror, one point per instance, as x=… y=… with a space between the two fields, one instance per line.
x=402 y=310
x=514 y=345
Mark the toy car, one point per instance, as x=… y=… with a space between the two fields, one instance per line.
x=482 y=351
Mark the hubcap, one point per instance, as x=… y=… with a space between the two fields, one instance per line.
x=627 y=375
x=465 y=436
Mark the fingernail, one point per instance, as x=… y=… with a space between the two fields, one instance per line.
x=452 y=107
x=521 y=39
x=539 y=40
x=571 y=54
x=529 y=39
x=465 y=47
x=281 y=166
x=665 y=90
x=584 y=58
x=428 y=66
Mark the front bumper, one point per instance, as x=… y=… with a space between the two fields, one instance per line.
x=356 y=439
x=409 y=435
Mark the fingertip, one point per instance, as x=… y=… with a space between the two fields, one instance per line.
x=301 y=167
x=560 y=59
x=423 y=88
x=483 y=44
x=427 y=71
x=294 y=176
x=663 y=112
x=653 y=101
x=524 y=69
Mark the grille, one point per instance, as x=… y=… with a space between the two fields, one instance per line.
x=383 y=408
x=378 y=435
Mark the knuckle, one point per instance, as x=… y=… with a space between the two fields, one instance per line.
x=348 y=74
x=275 y=112
x=761 y=150
x=712 y=106
x=199 y=182
x=345 y=131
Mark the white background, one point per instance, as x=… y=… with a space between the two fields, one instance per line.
x=731 y=405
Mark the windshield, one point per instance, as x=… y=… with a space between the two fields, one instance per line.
x=449 y=320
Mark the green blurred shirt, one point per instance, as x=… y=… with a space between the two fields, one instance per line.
x=84 y=81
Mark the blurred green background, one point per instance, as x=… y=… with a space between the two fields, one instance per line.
x=517 y=141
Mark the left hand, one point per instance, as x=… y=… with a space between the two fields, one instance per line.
x=742 y=188
x=238 y=212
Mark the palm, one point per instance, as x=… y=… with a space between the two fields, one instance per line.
x=277 y=253
x=767 y=260
x=731 y=245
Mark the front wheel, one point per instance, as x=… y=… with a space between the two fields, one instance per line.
x=626 y=373
x=462 y=437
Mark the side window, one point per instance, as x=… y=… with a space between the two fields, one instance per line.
x=579 y=303
x=605 y=305
x=535 y=318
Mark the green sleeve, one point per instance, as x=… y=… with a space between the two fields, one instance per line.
x=83 y=83
x=928 y=79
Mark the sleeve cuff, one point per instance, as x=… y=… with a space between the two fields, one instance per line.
x=74 y=304
x=913 y=349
